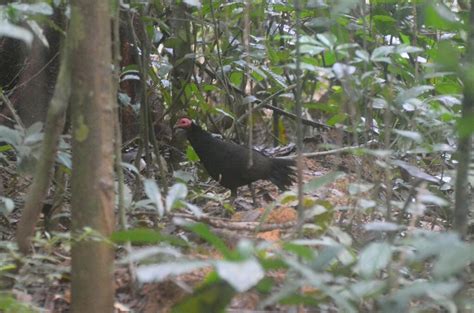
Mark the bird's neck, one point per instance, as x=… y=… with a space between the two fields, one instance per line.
x=199 y=138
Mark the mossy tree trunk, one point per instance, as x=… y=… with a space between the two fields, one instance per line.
x=92 y=118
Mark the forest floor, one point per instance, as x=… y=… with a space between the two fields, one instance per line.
x=44 y=279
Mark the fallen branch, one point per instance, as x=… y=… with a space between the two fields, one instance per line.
x=233 y=225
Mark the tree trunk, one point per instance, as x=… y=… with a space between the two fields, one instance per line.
x=182 y=65
x=463 y=203
x=92 y=149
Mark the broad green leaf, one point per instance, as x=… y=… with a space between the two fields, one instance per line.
x=10 y=136
x=447 y=54
x=381 y=51
x=439 y=16
x=328 y=40
x=33 y=8
x=299 y=249
x=203 y=231
x=141 y=254
x=373 y=258
x=358 y=188
x=367 y=288
x=212 y=297
x=38 y=31
x=415 y=136
x=191 y=154
x=9 y=30
x=6 y=205
x=153 y=193
x=242 y=275
x=453 y=260
x=310 y=46
x=382 y=226
x=407 y=49
x=159 y=272
x=318 y=182
x=176 y=193
x=145 y=236
x=363 y=55
x=414 y=92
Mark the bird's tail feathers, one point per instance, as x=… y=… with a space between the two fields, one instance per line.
x=283 y=173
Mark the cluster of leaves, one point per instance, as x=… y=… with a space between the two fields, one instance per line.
x=404 y=269
x=23 y=146
x=12 y=16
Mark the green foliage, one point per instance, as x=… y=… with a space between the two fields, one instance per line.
x=8 y=304
x=387 y=70
x=145 y=236
x=212 y=297
x=384 y=69
x=26 y=145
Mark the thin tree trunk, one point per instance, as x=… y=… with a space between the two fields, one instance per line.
x=43 y=171
x=92 y=105
x=182 y=66
x=461 y=210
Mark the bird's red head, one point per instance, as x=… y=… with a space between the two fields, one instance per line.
x=183 y=122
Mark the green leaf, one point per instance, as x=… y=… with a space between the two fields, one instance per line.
x=203 y=231
x=439 y=16
x=214 y=297
x=33 y=8
x=10 y=136
x=411 y=93
x=6 y=205
x=159 y=272
x=176 y=193
x=299 y=249
x=153 y=193
x=145 y=236
x=368 y=288
x=447 y=54
x=380 y=52
x=453 y=260
x=191 y=154
x=9 y=304
x=242 y=275
x=328 y=40
x=385 y=24
x=415 y=136
x=374 y=258
x=318 y=182
x=310 y=46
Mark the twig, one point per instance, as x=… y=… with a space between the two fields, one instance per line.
x=293 y=116
x=12 y=110
x=333 y=151
x=266 y=101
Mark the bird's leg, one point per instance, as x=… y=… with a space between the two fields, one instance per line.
x=252 y=191
x=233 y=194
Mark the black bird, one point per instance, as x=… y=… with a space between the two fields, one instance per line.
x=228 y=162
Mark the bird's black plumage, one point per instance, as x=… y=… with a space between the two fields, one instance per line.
x=228 y=162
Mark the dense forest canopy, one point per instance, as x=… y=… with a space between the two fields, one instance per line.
x=342 y=129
